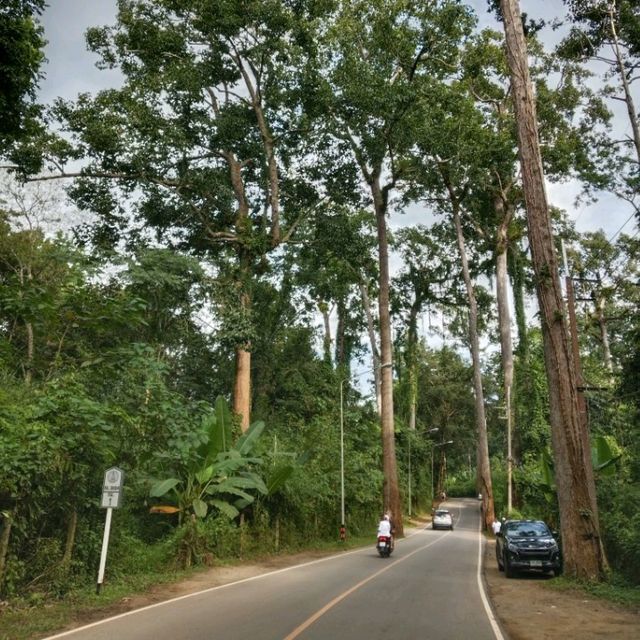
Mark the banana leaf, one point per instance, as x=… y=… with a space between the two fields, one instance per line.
x=224 y=507
x=163 y=486
x=277 y=478
x=605 y=452
x=248 y=440
x=231 y=490
x=200 y=507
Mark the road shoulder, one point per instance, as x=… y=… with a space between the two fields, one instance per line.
x=529 y=609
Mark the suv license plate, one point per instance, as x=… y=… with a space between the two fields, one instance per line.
x=535 y=563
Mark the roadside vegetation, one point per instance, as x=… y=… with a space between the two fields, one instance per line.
x=616 y=591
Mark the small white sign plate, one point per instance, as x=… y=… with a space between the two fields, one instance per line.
x=110 y=499
x=112 y=488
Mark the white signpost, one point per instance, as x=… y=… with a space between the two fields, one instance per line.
x=111 y=498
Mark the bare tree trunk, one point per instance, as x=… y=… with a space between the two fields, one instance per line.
x=242 y=383
x=412 y=366
x=604 y=334
x=28 y=368
x=251 y=79
x=25 y=276
x=582 y=549
x=366 y=303
x=391 y=491
x=326 y=340
x=341 y=354
x=442 y=478
x=484 y=468
x=72 y=527
x=504 y=322
x=7 y=523
x=242 y=387
x=518 y=288
x=628 y=98
x=413 y=386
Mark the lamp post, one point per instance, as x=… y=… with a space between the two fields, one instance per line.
x=342 y=514
x=342 y=520
x=410 y=435
x=433 y=446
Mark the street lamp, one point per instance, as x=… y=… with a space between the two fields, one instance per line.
x=342 y=381
x=433 y=446
x=342 y=521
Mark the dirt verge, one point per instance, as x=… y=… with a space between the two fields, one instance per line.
x=528 y=609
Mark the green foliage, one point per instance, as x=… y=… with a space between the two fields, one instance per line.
x=535 y=498
x=113 y=360
x=598 y=27
x=465 y=487
x=219 y=474
x=532 y=431
x=620 y=522
x=21 y=56
x=605 y=452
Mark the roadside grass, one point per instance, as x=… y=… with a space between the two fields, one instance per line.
x=30 y=618
x=615 y=590
x=37 y=617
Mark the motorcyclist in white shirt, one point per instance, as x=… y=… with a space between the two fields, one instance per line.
x=386 y=528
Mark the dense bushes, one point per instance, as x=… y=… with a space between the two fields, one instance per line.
x=620 y=524
x=63 y=483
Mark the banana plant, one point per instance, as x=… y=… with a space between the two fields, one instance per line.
x=220 y=476
x=605 y=452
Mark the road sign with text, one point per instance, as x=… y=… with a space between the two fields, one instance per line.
x=112 y=488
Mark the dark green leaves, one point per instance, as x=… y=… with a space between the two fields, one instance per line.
x=21 y=45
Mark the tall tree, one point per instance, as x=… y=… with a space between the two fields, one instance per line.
x=335 y=261
x=605 y=273
x=605 y=33
x=570 y=116
x=417 y=285
x=370 y=94
x=582 y=547
x=452 y=156
x=202 y=146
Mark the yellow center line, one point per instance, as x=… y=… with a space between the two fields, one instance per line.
x=318 y=614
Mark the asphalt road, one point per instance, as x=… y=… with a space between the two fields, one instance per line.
x=429 y=588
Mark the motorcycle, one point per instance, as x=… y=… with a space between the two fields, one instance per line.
x=384 y=546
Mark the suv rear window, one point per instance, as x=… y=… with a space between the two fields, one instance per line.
x=528 y=529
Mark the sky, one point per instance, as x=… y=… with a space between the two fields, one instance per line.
x=71 y=70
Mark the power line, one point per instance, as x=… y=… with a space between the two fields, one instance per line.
x=626 y=222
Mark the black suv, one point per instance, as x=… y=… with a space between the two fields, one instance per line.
x=526 y=544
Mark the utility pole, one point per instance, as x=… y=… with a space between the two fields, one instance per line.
x=509 y=453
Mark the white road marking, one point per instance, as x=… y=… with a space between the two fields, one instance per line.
x=318 y=614
x=65 y=634
x=485 y=601
x=492 y=620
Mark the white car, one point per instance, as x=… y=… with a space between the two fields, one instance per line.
x=442 y=519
